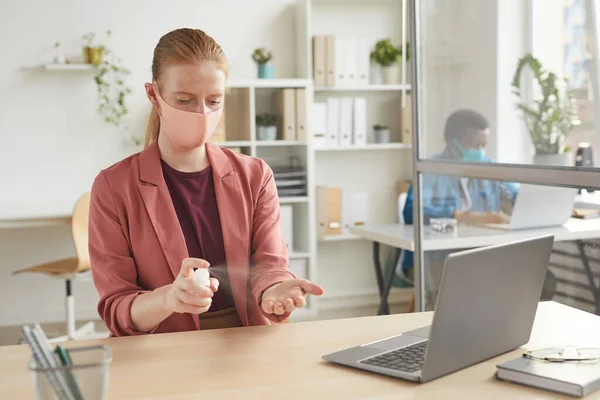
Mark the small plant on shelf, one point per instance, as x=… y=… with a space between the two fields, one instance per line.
x=266 y=126
x=110 y=80
x=381 y=133
x=262 y=57
x=387 y=56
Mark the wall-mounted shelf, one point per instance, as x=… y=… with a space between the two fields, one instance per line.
x=369 y=88
x=61 y=67
x=368 y=147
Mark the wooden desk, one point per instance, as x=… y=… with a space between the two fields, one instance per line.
x=284 y=361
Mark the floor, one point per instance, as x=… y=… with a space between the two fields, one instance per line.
x=10 y=335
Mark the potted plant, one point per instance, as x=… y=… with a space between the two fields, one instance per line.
x=92 y=53
x=111 y=85
x=550 y=116
x=381 y=133
x=387 y=56
x=263 y=58
x=266 y=125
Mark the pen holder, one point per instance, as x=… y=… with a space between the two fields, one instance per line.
x=86 y=379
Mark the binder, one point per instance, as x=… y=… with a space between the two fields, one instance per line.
x=406 y=121
x=286 y=105
x=329 y=212
x=287 y=226
x=319 y=125
x=301 y=115
x=363 y=62
x=340 y=60
x=355 y=209
x=330 y=62
x=350 y=55
x=346 y=121
x=333 y=122
x=319 y=60
x=360 y=121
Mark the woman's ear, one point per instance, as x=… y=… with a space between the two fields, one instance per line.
x=151 y=93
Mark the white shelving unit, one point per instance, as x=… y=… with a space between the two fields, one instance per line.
x=341 y=263
x=344 y=262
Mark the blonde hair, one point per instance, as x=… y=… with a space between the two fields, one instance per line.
x=181 y=45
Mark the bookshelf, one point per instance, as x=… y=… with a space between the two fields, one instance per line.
x=341 y=263
x=344 y=263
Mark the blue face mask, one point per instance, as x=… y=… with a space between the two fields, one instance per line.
x=470 y=155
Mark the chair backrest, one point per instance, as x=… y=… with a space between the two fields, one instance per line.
x=79 y=230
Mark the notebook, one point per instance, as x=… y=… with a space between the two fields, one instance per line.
x=577 y=379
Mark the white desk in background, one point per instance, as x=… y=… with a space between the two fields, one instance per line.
x=401 y=237
x=588 y=200
x=31 y=214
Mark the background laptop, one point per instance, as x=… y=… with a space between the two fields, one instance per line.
x=540 y=206
x=486 y=306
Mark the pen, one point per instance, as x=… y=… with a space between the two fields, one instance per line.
x=65 y=360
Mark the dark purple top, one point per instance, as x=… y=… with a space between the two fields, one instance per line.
x=193 y=195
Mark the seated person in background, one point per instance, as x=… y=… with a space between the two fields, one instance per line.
x=468 y=200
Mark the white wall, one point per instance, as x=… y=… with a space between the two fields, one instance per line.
x=513 y=144
x=470 y=51
x=52 y=142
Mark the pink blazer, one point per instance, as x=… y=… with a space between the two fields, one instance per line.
x=136 y=243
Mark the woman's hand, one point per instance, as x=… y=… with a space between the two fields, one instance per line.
x=186 y=296
x=479 y=218
x=288 y=295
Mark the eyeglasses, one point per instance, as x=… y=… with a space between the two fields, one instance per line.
x=564 y=354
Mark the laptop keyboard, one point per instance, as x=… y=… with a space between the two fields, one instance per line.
x=407 y=359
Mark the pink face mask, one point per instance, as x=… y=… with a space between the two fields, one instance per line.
x=187 y=129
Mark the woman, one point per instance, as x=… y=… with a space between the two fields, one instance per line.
x=183 y=204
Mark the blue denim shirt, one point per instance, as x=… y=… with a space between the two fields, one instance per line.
x=441 y=197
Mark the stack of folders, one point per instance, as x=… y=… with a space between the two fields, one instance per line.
x=290 y=180
x=340 y=122
x=341 y=61
x=291 y=109
x=61 y=380
x=340 y=209
x=572 y=378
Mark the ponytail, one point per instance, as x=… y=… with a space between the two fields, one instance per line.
x=153 y=128
x=181 y=45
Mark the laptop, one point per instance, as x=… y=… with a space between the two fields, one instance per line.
x=539 y=207
x=486 y=306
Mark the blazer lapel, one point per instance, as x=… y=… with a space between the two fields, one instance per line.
x=234 y=225
x=160 y=209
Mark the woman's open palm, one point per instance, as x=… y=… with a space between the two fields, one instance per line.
x=288 y=295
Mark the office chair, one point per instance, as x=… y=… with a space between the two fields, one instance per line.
x=74 y=268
